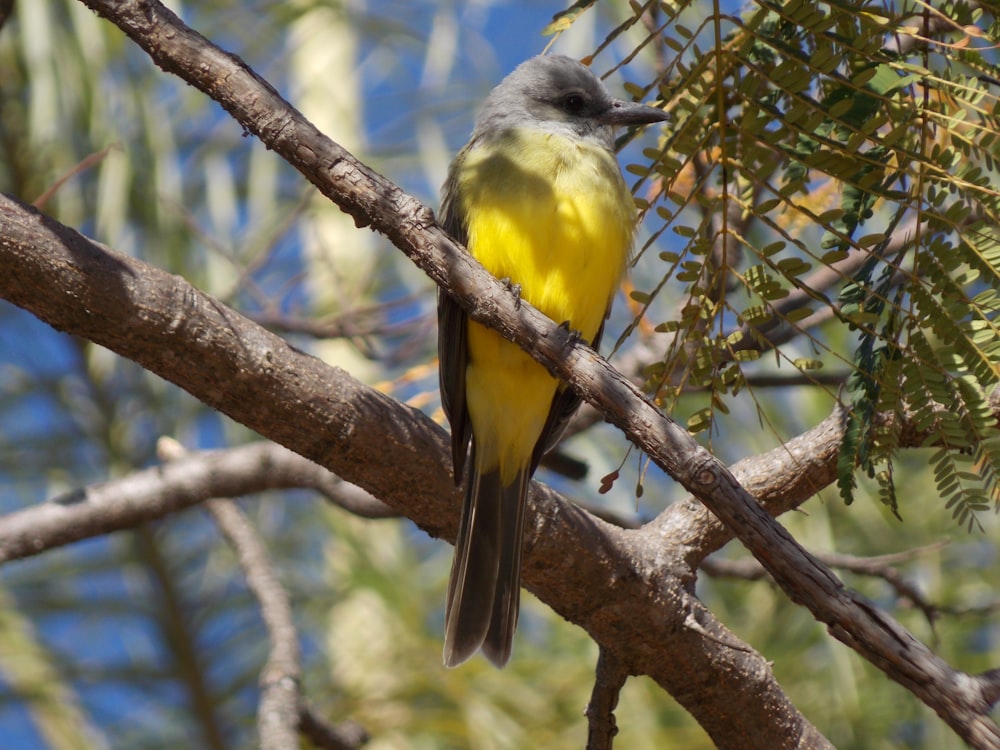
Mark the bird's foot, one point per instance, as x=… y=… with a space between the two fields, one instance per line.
x=514 y=289
x=575 y=336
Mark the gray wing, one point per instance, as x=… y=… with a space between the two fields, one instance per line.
x=453 y=345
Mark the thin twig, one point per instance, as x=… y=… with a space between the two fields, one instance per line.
x=875 y=567
x=280 y=680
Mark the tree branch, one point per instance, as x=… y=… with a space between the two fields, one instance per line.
x=155 y=493
x=608 y=682
x=619 y=585
x=283 y=710
x=631 y=596
x=280 y=681
x=372 y=200
x=881 y=567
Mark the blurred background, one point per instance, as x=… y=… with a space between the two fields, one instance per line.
x=149 y=638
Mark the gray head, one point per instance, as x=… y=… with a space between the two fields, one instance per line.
x=559 y=94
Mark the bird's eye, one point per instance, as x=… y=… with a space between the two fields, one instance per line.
x=574 y=103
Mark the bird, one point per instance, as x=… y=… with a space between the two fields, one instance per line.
x=538 y=198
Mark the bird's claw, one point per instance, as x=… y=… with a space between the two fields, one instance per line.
x=575 y=337
x=514 y=289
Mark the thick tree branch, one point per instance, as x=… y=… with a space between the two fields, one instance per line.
x=958 y=698
x=621 y=586
x=626 y=588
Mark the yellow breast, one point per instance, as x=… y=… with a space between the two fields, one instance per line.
x=554 y=216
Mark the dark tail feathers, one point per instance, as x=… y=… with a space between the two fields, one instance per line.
x=485 y=583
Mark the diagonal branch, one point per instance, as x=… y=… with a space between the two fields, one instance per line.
x=371 y=200
x=626 y=588
x=629 y=590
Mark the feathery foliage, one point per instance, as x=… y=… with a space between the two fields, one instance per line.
x=832 y=167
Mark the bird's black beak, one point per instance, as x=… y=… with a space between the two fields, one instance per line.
x=631 y=113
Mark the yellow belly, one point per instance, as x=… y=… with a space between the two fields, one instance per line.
x=554 y=216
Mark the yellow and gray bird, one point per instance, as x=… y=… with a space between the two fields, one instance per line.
x=538 y=198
